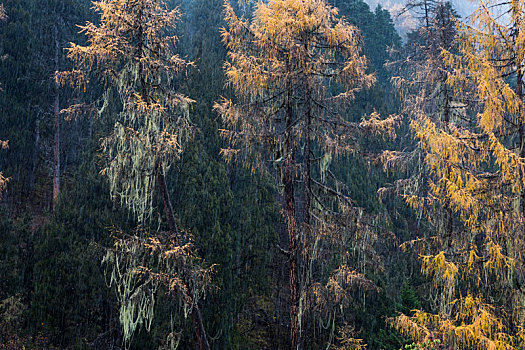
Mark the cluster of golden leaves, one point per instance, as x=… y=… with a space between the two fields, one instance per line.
x=347 y=339
x=287 y=43
x=476 y=326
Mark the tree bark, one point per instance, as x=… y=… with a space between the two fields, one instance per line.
x=519 y=92
x=287 y=178
x=36 y=149
x=292 y=248
x=306 y=229
x=168 y=209
x=200 y=332
x=196 y=315
x=56 y=113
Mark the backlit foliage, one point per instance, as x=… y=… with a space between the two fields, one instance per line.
x=295 y=68
x=131 y=53
x=288 y=41
x=471 y=184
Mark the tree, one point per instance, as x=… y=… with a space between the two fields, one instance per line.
x=3 y=144
x=56 y=115
x=3 y=179
x=130 y=53
x=294 y=68
x=423 y=10
x=472 y=150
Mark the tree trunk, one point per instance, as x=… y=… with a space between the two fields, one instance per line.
x=446 y=121
x=292 y=248
x=287 y=178
x=36 y=150
x=200 y=332
x=168 y=209
x=519 y=92
x=306 y=229
x=56 y=113
x=292 y=236
x=196 y=315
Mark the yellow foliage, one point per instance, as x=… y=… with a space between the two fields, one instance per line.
x=473 y=172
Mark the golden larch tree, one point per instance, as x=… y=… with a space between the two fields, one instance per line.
x=474 y=158
x=295 y=68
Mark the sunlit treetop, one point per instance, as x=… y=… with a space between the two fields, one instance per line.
x=287 y=48
x=288 y=38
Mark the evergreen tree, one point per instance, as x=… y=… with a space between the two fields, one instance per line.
x=3 y=144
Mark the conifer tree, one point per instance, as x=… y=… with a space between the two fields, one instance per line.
x=294 y=69
x=3 y=144
x=3 y=179
x=473 y=154
x=130 y=53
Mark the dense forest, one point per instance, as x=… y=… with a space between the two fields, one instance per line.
x=277 y=174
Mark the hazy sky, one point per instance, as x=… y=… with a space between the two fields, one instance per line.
x=463 y=7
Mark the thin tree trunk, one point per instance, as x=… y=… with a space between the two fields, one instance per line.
x=168 y=209
x=34 y=157
x=292 y=236
x=446 y=121
x=287 y=178
x=200 y=332
x=292 y=248
x=306 y=233
x=56 y=113
x=196 y=315
x=519 y=92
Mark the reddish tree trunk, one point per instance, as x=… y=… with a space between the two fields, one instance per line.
x=306 y=229
x=287 y=178
x=56 y=113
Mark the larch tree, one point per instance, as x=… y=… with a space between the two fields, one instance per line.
x=131 y=54
x=475 y=162
x=295 y=68
x=426 y=95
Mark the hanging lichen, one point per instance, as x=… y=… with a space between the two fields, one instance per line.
x=134 y=60
x=130 y=52
x=139 y=264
